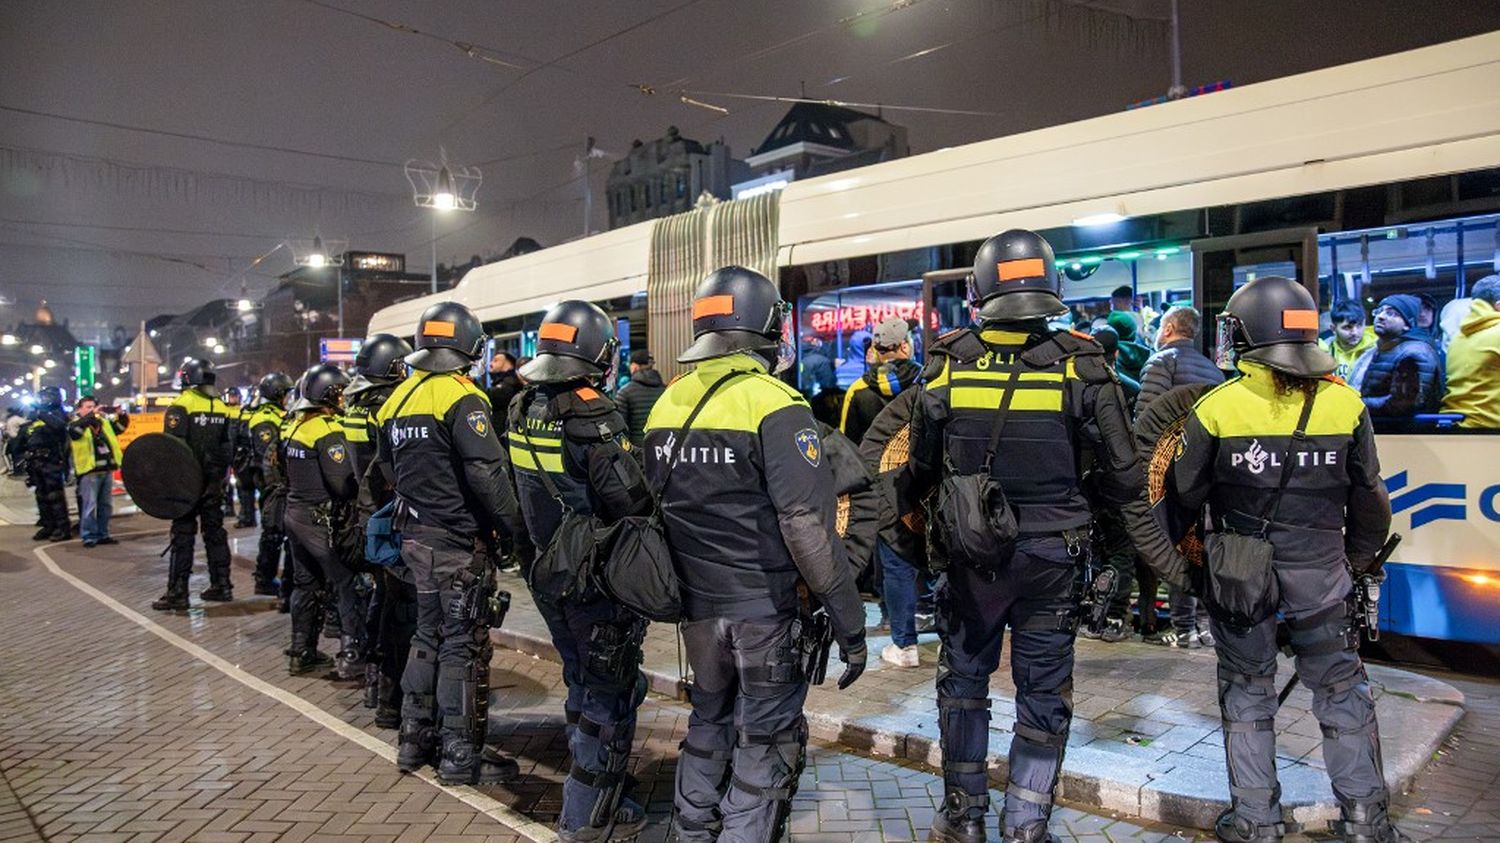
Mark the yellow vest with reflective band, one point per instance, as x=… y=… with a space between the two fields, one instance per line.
x=266 y=413
x=308 y=430
x=438 y=395
x=545 y=438
x=980 y=385
x=83 y=448
x=196 y=402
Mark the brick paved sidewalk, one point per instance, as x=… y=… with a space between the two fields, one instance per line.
x=117 y=693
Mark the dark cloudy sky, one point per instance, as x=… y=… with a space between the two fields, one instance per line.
x=271 y=119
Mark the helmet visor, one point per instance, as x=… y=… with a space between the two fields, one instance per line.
x=1224 y=338
x=786 y=345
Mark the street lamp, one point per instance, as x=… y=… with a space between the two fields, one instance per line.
x=36 y=349
x=442 y=187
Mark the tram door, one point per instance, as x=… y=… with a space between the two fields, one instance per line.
x=945 y=303
x=1222 y=265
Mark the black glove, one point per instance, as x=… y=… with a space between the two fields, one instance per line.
x=854 y=656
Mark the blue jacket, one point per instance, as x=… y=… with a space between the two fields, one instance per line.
x=1405 y=377
x=1178 y=363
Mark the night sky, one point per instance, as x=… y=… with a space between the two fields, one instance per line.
x=273 y=119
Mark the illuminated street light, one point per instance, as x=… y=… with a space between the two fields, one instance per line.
x=244 y=305
x=443 y=187
x=49 y=363
x=317 y=259
x=209 y=342
x=18 y=381
x=443 y=199
x=114 y=381
x=218 y=349
x=9 y=339
x=36 y=349
x=161 y=370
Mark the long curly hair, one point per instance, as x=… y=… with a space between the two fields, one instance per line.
x=1286 y=384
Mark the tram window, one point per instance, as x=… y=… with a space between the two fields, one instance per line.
x=834 y=330
x=1428 y=357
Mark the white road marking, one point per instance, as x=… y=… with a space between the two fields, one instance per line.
x=487 y=805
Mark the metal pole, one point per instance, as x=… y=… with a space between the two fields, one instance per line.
x=338 y=279
x=434 y=251
x=1177 y=90
x=588 y=193
x=144 y=339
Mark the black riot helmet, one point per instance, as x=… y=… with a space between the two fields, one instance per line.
x=49 y=397
x=321 y=386
x=735 y=310
x=1274 y=320
x=273 y=388
x=576 y=340
x=449 y=338
x=195 y=371
x=1015 y=278
x=380 y=362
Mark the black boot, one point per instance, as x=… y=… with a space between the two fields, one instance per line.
x=307 y=661
x=218 y=593
x=1233 y=828
x=416 y=747
x=1032 y=832
x=955 y=822
x=175 y=599
x=1366 y=822
x=42 y=535
x=465 y=763
x=350 y=661
x=372 y=685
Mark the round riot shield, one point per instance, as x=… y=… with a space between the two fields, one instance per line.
x=162 y=475
x=1159 y=432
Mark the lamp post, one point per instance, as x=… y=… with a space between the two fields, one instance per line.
x=443 y=188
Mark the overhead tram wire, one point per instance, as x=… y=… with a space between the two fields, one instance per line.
x=467 y=48
x=286 y=150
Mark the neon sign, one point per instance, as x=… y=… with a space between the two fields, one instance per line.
x=858 y=317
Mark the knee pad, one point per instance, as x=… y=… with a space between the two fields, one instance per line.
x=1323 y=633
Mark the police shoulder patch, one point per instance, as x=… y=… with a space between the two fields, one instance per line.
x=173 y=420
x=810 y=446
x=336 y=453
x=265 y=435
x=479 y=422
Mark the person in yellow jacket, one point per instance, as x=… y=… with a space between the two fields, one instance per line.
x=1474 y=360
x=96 y=456
x=1352 y=336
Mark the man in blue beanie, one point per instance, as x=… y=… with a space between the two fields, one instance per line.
x=1405 y=375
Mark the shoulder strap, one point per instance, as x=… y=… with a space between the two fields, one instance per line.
x=687 y=425
x=1298 y=436
x=1004 y=411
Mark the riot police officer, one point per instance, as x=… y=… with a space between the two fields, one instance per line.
x=747 y=499
x=199 y=418
x=264 y=432
x=1006 y=414
x=46 y=452
x=568 y=448
x=320 y=491
x=1285 y=455
x=242 y=460
x=452 y=494
x=378 y=368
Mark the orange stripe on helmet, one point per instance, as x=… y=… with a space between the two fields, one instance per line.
x=434 y=328
x=1299 y=320
x=1022 y=268
x=558 y=331
x=713 y=306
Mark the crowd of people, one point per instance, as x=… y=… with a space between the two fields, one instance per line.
x=992 y=488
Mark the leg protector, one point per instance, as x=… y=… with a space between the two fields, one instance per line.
x=964 y=726
x=1366 y=822
x=1249 y=707
x=1328 y=662
x=763 y=809
x=419 y=737
x=701 y=770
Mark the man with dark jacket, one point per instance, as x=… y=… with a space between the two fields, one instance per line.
x=1405 y=375
x=892 y=373
x=504 y=384
x=636 y=398
x=1178 y=362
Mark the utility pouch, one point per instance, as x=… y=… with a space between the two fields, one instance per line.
x=975 y=521
x=382 y=539
x=1240 y=581
x=561 y=569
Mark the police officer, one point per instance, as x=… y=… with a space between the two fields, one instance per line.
x=747 y=497
x=1284 y=424
x=199 y=418
x=242 y=447
x=378 y=368
x=453 y=492
x=264 y=432
x=568 y=447
x=46 y=451
x=1018 y=403
x=320 y=489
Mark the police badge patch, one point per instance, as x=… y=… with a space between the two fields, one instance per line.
x=336 y=453
x=172 y=421
x=810 y=446
x=479 y=422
